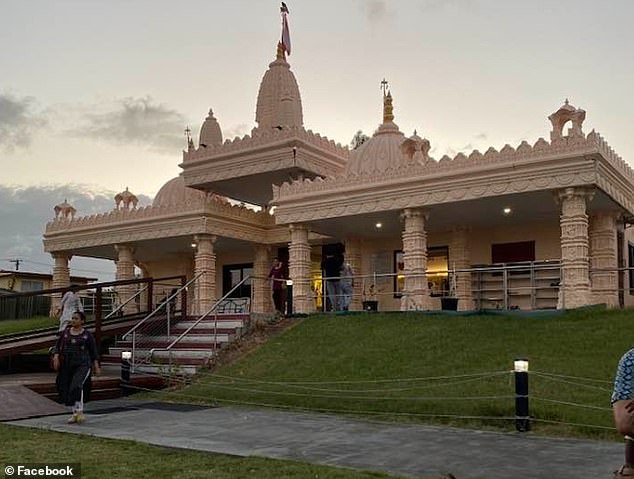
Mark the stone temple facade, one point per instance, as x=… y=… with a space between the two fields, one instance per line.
x=541 y=225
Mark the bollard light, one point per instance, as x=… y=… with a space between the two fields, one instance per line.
x=522 y=416
x=126 y=355
x=289 y=282
x=520 y=366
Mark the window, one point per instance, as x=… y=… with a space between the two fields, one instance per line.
x=513 y=252
x=232 y=274
x=437 y=271
x=29 y=285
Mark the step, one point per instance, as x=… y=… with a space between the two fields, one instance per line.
x=206 y=330
x=189 y=340
x=158 y=369
x=221 y=317
x=210 y=323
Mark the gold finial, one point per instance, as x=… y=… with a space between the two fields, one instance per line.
x=388 y=115
x=280 y=51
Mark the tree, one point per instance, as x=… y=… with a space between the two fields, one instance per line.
x=358 y=139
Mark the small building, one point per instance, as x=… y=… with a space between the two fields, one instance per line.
x=25 y=281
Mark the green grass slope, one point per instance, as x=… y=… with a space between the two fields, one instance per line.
x=435 y=368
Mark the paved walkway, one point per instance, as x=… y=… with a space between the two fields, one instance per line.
x=408 y=450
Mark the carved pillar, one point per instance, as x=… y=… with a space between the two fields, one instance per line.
x=604 y=259
x=575 y=281
x=353 y=256
x=460 y=258
x=262 y=302
x=125 y=270
x=415 y=291
x=61 y=278
x=299 y=269
x=205 y=262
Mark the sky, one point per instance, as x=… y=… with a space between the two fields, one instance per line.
x=95 y=94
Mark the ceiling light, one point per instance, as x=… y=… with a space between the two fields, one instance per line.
x=507 y=211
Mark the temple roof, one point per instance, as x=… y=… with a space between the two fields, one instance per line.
x=279 y=102
x=210 y=133
x=175 y=192
x=382 y=151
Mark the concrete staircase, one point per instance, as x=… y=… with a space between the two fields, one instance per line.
x=191 y=353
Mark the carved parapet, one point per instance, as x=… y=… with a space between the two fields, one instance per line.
x=212 y=205
x=596 y=140
x=540 y=150
x=262 y=139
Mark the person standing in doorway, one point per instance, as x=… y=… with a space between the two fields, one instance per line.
x=71 y=302
x=278 y=278
x=347 y=285
x=331 y=267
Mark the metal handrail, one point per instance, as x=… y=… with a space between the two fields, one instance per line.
x=138 y=293
x=162 y=304
x=203 y=316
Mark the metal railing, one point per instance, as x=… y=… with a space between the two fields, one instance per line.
x=165 y=304
x=526 y=285
x=213 y=309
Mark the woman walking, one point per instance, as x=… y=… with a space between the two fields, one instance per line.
x=74 y=358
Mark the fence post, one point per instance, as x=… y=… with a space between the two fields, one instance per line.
x=183 y=298
x=150 y=291
x=98 y=314
x=522 y=418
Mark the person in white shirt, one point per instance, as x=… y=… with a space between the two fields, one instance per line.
x=71 y=303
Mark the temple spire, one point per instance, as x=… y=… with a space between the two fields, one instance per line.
x=388 y=115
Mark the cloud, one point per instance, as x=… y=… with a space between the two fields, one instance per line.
x=375 y=10
x=25 y=211
x=236 y=130
x=18 y=121
x=429 y=6
x=138 y=121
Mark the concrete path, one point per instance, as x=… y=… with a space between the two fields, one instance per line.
x=415 y=451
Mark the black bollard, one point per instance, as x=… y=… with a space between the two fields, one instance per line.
x=289 y=297
x=522 y=419
x=125 y=373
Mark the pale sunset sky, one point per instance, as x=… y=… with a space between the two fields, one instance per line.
x=95 y=94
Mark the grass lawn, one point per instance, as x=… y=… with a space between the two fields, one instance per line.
x=102 y=458
x=10 y=326
x=435 y=368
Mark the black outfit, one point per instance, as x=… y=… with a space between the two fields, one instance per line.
x=77 y=355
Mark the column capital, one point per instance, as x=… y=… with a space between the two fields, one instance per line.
x=574 y=192
x=298 y=227
x=123 y=247
x=415 y=213
x=205 y=237
x=62 y=255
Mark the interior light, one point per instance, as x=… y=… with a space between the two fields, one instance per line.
x=379 y=225
x=194 y=245
x=507 y=210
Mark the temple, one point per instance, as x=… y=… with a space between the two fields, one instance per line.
x=543 y=225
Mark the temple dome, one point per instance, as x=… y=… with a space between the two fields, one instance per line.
x=174 y=192
x=381 y=152
x=279 y=102
x=210 y=133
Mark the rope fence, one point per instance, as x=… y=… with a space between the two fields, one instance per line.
x=295 y=394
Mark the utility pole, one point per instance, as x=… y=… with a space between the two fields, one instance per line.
x=17 y=263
